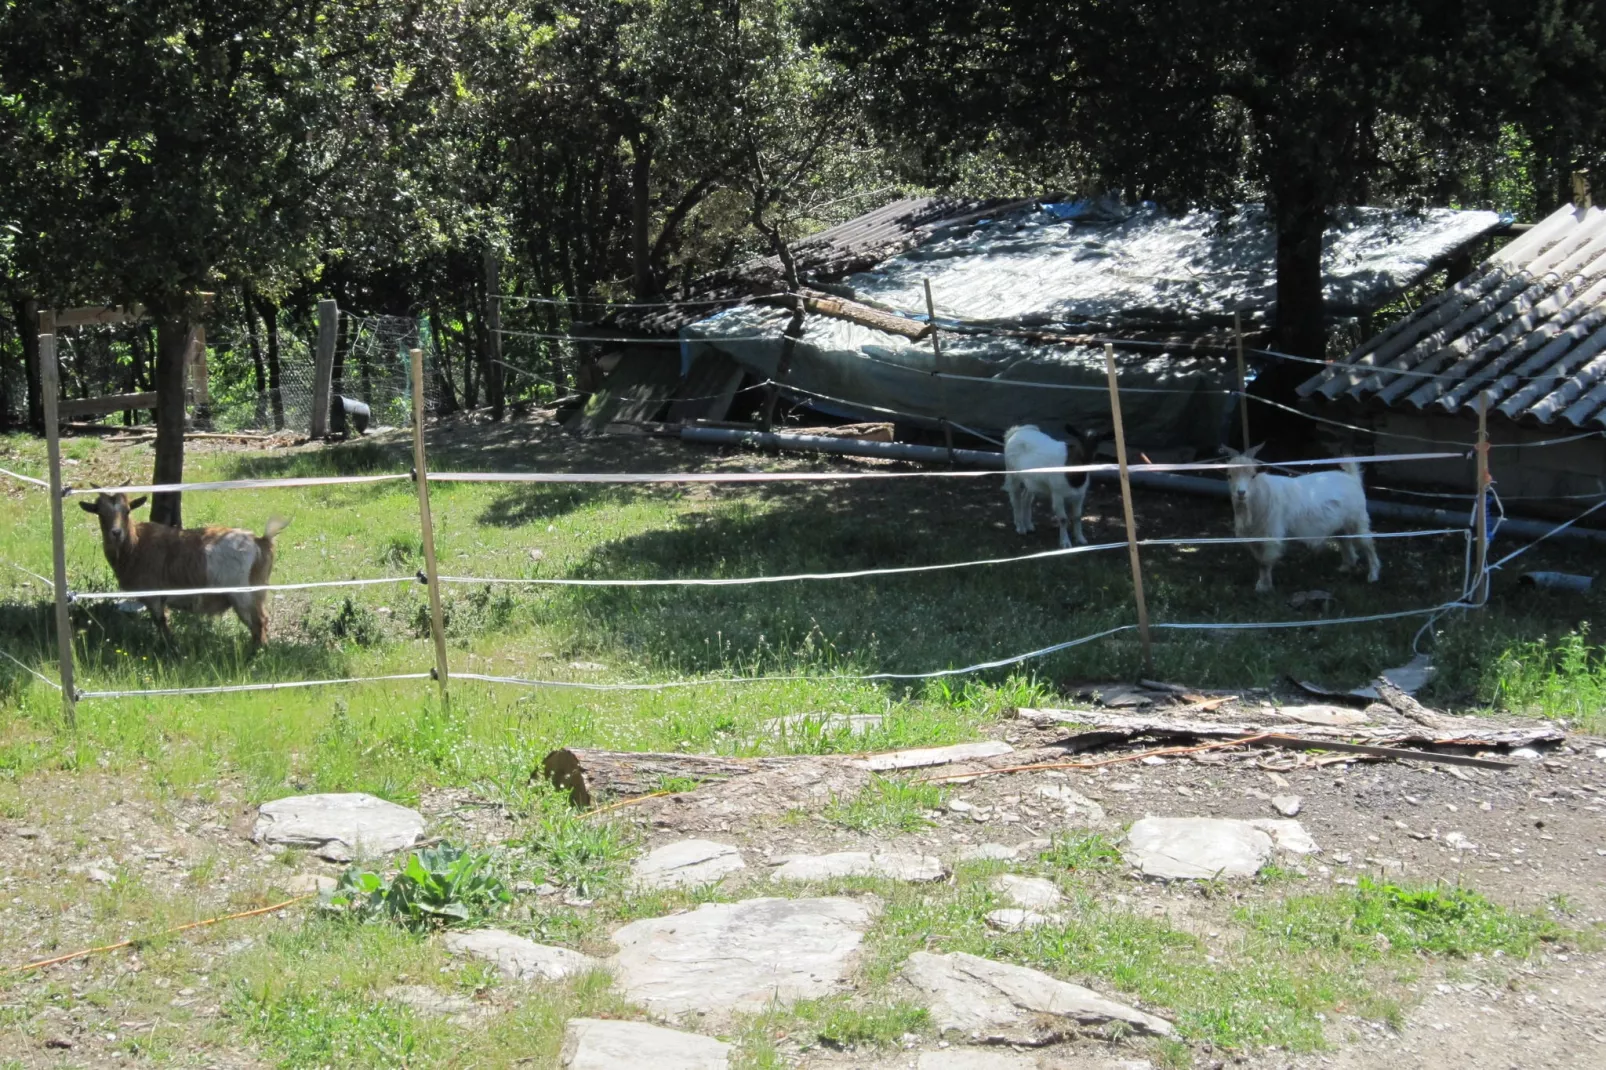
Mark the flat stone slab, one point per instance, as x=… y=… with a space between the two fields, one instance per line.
x=989 y=1002
x=724 y=958
x=1014 y=919
x=687 y=863
x=459 y=1010
x=1196 y=848
x=890 y=864
x=928 y=756
x=1289 y=836
x=519 y=959
x=1074 y=803
x=1033 y=893
x=605 y=1044
x=339 y=827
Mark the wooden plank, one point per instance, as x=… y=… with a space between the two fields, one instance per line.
x=1126 y=506
x=437 y=622
x=1477 y=732
x=103 y=405
x=98 y=315
x=1480 y=563
x=323 y=367
x=50 y=386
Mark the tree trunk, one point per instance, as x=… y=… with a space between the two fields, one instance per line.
x=1301 y=328
x=641 y=215
x=270 y=321
x=443 y=364
x=27 y=310
x=172 y=346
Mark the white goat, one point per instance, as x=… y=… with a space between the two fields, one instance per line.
x=1310 y=509
x=1025 y=447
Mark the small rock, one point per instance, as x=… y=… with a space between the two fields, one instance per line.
x=687 y=863
x=1074 y=802
x=98 y=875
x=309 y=884
x=59 y=1043
x=1459 y=841
x=587 y=666
x=1287 y=805
x=892 y=865
x=959 y=806
x=1033 y=893
x=459 y=1010
x=990 y=1002
x=1013 y=919
x=606 y=1044
x=29 y=833
x=519 y=959
x=990 y=852
x=1277 y=778
x=1526 y=754
x=1196 y=848
x=1289 y=836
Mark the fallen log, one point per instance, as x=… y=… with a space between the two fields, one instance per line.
x=1445 y=732
x=589 y=775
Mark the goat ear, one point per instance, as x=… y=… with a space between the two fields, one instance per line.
x=1254 y=451
x=136 y=503
x=89 y=507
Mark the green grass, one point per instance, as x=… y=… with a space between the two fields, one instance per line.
x=1564 y=678
x=886 y=804
x=1375 y=919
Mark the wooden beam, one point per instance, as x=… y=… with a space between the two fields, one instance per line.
x=865 y=316
x=99 y=315
x=103 y=405
x=323 y=368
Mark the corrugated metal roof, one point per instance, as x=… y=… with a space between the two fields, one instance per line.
x=1528 y=326
x=855 y=245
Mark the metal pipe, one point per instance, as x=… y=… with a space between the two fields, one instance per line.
x=1216 y=488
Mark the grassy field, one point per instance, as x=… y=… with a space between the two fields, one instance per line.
x=312 y=992
x=1517 y=652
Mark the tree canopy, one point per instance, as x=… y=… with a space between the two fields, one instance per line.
x=426 y=156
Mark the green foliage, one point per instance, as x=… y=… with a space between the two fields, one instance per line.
x=349 y=621
x=585 y=855
x=1565 y=678
x=1375 y=918
x=886 y=804
x=437 y=887
x=1078 y=850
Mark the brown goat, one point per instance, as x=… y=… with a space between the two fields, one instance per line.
x=155 y=557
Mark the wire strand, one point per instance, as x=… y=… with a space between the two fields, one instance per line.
x=30 y=670
x=231 y=688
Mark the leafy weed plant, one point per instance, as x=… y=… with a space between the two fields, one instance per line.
x=1566 y=678
x=437 y=887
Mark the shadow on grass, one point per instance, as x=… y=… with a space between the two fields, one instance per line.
x=113 y=650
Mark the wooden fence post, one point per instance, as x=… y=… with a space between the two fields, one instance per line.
x=200 y=382
x=1126 y=506
x=437 y=624
x=936 y=370
x=1243 y=378
x=323 y=367
x=1480 y=507
x=49 y=387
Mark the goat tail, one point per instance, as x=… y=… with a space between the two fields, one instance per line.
x=275 y=525
x=1351 y=468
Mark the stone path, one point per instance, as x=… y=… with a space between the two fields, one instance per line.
x=339 y=828
x=1207 y=848
x=988 y=1002
x=686 y=863
x=731 y=957
x=889 y=864
x=519 y=959
x=604 y=1044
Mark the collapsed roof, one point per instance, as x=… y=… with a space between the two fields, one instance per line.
x=1000 y=274
x=1528 y=326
